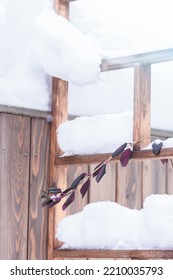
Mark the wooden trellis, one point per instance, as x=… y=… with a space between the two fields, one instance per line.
x=141 y=130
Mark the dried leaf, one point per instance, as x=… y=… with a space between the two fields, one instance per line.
x=69 y=200
x=77 y=181
x=101 y=173
x=157 y=148
x=171 y=161
x=85 y=187
x=125 y=156
x=164 y=160
x=46 y=202
x=97 y=169
x=119 y=150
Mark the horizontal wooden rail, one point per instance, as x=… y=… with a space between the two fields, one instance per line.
x=90 y=159
x=114 y=254
x=25 y=112
x=130 y=61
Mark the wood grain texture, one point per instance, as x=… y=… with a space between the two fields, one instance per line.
x=129 y=185
x=169 y=176
x=115 y=254
x=105 y=189
x=141 y=104
x=58 y=174
x=154 y=178
x=24 y=112
x=14 y=185
x=39 y=180
x=141 y=155
x=79 y=203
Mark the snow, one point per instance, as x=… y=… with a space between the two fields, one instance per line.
x=60 y=47
x=124 y=27
x=168 y=143
x=96 y=134
x=2 y=12
x=23 y=83
x=108 y=225
x=44 y=44
x=109 y=95
x=99 y=134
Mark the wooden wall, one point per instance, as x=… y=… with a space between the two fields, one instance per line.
x=128 y=186
x=24 y=170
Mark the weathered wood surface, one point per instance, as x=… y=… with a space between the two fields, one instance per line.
x=153 y=178
x=169 y=178
x=14 y=185
x=25 y=112
x=115 y=254
x=24 y=149
x=142 y=104
x=136 y=156
x=129 y=186
x=39 y=169
x=79 y=203
x=58 y=174
x=106 y=188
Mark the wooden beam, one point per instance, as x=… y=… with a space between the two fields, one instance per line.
x=59 y=114
x=130 y=60
x=142 y=103
x=114 y=254
x=25 y=112
x=90 y=159
x=160 y=133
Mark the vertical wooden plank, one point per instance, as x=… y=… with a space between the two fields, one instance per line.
x=154 y=178
x=14 y=185
x=73 y=172
x=105 y=189
x=39 y=179
x=142 y=103
x=58 y=174
x=169 y=178
x=129 y=185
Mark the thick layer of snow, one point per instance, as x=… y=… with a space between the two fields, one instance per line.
x=108 y=225
x=2 y=11
x=120 y=27
x=23 y=83
x=44 y=44
x=97 y=134
x=64 y=51
x=44 y=40
x=114 y=93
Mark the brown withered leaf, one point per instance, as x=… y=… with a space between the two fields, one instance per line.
x=125 y=157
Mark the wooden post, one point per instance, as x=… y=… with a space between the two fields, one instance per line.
x=142 y=97
x=142 y=111
x=58 y=174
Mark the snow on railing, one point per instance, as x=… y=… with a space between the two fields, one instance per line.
x=131 y=60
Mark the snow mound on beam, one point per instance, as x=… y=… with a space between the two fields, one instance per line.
x=108 y=225
x=63 y=50
x=96 y=134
